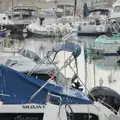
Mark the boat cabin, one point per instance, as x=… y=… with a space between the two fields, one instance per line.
x=98 y=12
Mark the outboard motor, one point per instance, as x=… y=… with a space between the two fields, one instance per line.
x=107 y=95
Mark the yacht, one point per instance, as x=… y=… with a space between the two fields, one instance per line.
x=95 y=23
x=18 y=17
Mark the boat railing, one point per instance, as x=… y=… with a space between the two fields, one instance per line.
x=107 y=105
x=57 y=96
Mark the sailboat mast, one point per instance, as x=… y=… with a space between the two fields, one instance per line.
x=94 y=74
x=12 y=4
x=85 y=56
x=75 y=4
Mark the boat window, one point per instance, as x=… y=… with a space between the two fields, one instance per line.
x=27 y=16
x=44 y=77
x=21 y=116
x=117 y=9
x=16 y=16
x=97 y=13
x=84 y=116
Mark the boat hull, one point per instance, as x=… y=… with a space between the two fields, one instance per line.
x=33 y=111
x=91 y=30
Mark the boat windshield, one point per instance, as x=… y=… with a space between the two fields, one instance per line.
x=117 y=9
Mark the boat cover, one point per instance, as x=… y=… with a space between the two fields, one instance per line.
x=68 y=46
x=17 y=88
x=104 y=91
x=107 y=95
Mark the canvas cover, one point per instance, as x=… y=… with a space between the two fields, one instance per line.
x=17 y=88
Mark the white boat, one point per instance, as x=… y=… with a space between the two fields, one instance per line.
x=55 y=29
x=20 y=15
x=61 y=25
x=115 y=11
x=95 y=23
x=17 y=17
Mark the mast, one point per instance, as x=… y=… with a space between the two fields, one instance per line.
x=85 y=55
x=94 y=74
x=75 y=5
x=12 y=4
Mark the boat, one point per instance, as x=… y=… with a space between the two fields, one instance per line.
x=106 y=46
x=61 y=26
x=65 y=102
x=53 y=30
x=115 y=11
x=96 y=21
x=17 y=17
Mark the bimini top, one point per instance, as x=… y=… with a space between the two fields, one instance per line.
x=17 y=88
x=68 y=46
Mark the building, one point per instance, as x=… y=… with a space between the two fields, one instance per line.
x=5 y=4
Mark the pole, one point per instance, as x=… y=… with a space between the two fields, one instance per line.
x=85 y=55
x=94 y=74
x=75 y=4
x=12 y=4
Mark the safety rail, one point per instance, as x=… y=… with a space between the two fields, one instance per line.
x=57 y=96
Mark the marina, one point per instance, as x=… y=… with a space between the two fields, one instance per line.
x=59 y=60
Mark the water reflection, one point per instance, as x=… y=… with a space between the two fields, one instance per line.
x=40 y=45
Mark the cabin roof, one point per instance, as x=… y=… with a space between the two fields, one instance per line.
x=95 y=10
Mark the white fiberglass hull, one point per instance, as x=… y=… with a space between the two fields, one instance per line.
x=43 y=112
x=92 y=29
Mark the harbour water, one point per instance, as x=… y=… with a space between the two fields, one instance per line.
x=100 y=72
